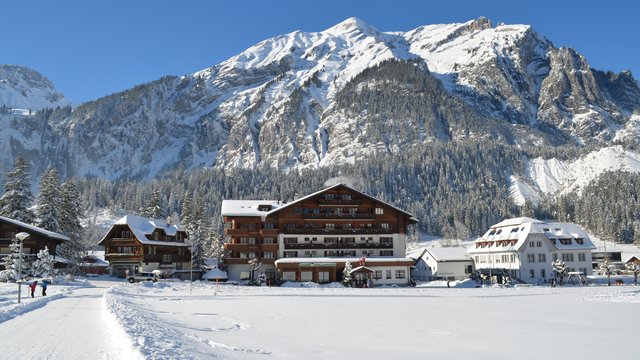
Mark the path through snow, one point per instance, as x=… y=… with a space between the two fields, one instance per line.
x=74 y=327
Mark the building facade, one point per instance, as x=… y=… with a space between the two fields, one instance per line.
x=38 y=239
x=312 y=238
x=136 y=244
x=441 y=263
x=525 y=248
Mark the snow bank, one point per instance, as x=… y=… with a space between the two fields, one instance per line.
x=309 y=284
x=10 y=308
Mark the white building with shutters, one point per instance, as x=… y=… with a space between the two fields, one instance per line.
x=525 y=248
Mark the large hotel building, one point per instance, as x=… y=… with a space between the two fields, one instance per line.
x=312 y=238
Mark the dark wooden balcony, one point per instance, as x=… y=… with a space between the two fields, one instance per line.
x=353 y=231
x=269 y=232
x=326 y=246
x=160 y=259
x=242 y=232
x=111 y=257
x=329 y=202
x=334 y=216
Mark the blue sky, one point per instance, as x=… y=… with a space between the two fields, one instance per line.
x=92 y=48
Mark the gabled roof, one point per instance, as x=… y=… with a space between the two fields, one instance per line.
x=518 y=229
x=448 y=253
x=141 y=227
x=247 y=207
x=284 y=206
x=35 y=229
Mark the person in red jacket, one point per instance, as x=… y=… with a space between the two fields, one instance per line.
x=33 y=287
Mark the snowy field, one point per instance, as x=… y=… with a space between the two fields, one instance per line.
x=106 y=319
x=165 y=322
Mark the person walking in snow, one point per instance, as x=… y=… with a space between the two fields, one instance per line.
x=44 y=287
x=33 y=287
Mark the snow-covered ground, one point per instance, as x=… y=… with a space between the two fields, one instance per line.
x=114 y=320
x=165 y=322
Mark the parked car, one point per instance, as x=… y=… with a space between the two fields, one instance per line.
x=143 y=276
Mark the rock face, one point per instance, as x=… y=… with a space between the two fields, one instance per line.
x=312 y=99
x=23 y=88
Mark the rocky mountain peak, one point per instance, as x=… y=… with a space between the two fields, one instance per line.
x=24 y=88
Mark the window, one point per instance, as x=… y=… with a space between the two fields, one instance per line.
x=268 y=255
x=539 y=243
x=126 y=234
x=330 y=226
x=386 y=240
x=386 y=252
x=565 y=241
x=252 y=255
x=499 y=232
x=166 y=258
x=346 y=196
x=531 y=258
x=580 y=241
x=290 y=240
x=567 y=257
x=532 y=273
x=555 y=257
x=492 y=232
x=512 y=258
x=377 y=274
x=514 y=230
x=243 y=255
x=297 y=210
x=532 y=244
x=269 y=226
x=323 y=276
x=379 y=211
x=388 y=274
x=582 y=257
x=400 y=274
x=329 y=196
x=288 y=276
x=542 y=258
x=268 y=240
x=385 y=226
x=306 y=276
x=543 y=273
x=289 y=254
x=583 y=271
x=505 y=258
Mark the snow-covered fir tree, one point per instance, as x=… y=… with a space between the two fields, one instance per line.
x=346 y=274
x=43 y=266
x=49 y=201
x=70 y=214
x=17 y=197
x=153 y=209
x=10 y=263
x=193 y=222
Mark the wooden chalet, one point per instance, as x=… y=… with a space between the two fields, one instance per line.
x=311 y=238
x=136 y=244
x=37 y=240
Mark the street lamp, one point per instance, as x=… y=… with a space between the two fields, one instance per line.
x=21 y=236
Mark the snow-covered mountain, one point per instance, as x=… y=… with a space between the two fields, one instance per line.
x=23 y=88
x=309 y=99
x=553 y=176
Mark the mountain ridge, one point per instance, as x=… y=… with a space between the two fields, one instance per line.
x=276 y=103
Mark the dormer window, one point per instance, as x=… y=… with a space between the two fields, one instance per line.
x=492 y=232
x=498 y=232
x=580 y=241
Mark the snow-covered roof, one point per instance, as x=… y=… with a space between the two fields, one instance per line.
x=361 y=268
x=215 y=273
x=247 y=207
x=448 y=253
x=34 y=229
x=412 y=218
x=519 y=229
x=141 y=227
x=371 y=260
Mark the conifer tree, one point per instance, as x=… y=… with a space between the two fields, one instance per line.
x=10 y=263
x=346 y=274
x=70 y=214
x=49 y=201
x=17 y=197
x=43 y=267
x=153 y=209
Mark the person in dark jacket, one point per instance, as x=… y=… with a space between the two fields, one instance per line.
x=44 y=287
x=33 y=287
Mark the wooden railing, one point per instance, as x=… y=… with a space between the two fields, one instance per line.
x=336 y=216
x=298 y=246
x=356 y=231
